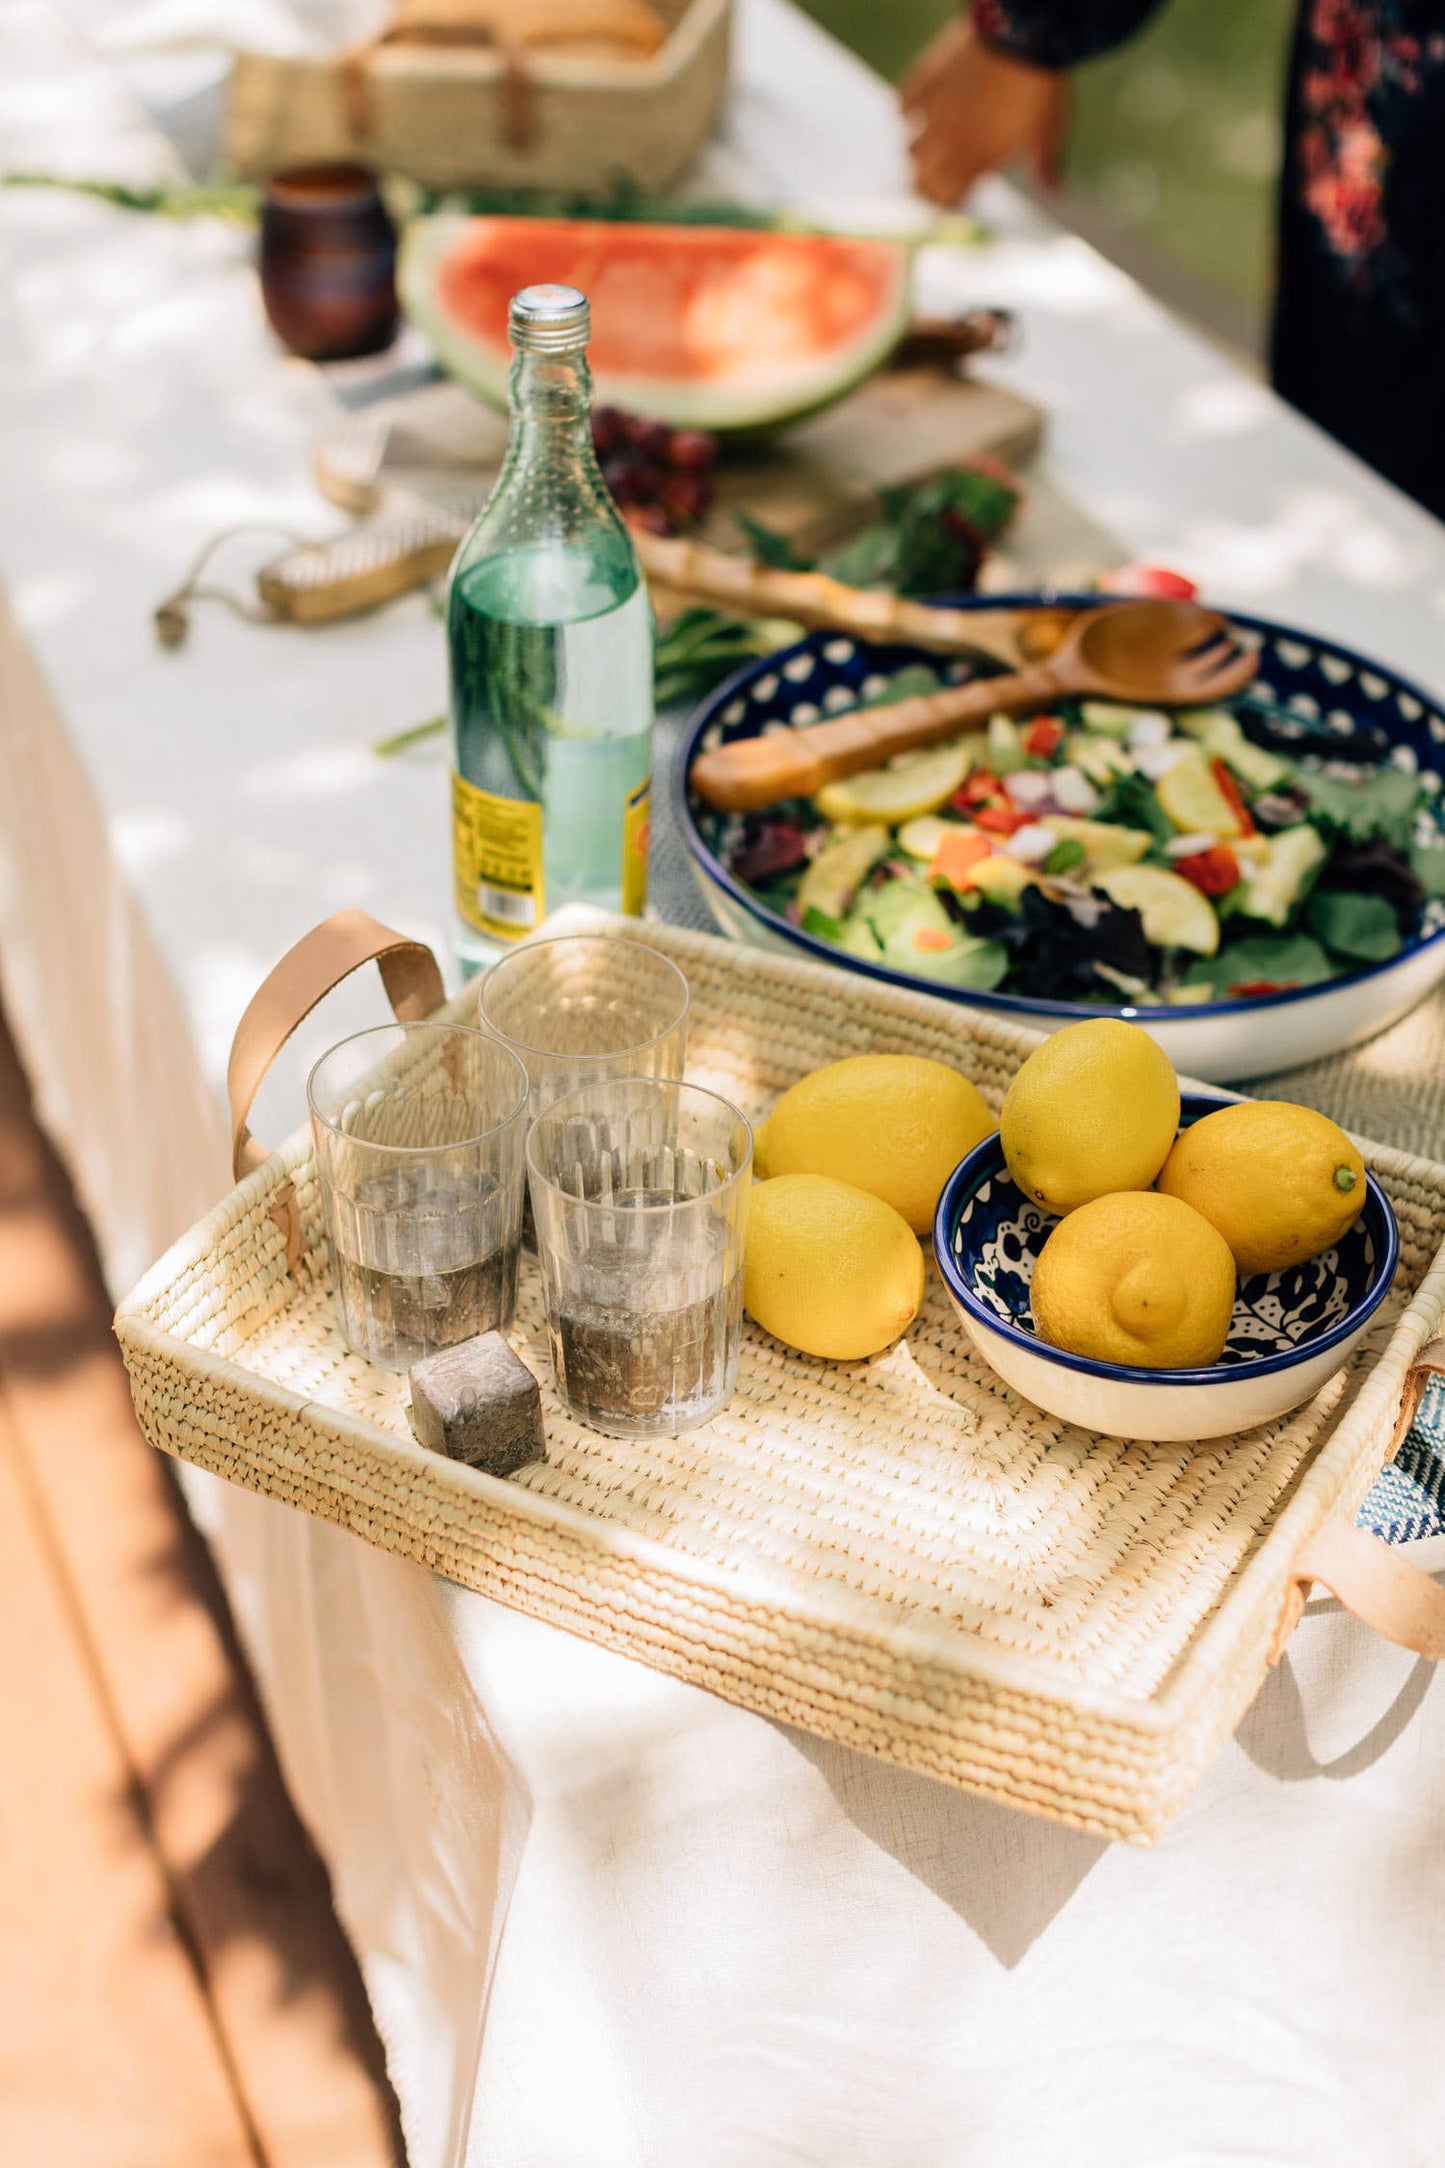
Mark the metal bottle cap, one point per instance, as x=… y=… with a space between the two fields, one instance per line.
x=549 y=320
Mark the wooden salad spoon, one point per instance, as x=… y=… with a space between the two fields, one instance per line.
x=1143 y=654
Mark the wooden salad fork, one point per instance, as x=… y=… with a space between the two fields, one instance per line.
x=1143 y=654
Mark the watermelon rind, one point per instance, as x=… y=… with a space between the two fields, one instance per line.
x=690 y=403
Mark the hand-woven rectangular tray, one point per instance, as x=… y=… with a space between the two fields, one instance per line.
x=899 y=1554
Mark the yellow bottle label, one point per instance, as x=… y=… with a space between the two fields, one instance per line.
x=636 y=829
x=497 y=859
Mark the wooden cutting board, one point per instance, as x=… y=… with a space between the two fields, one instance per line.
x=815 y=482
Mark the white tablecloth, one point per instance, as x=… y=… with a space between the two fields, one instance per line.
x=604 y=1919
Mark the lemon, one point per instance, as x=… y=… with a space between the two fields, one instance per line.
x=911 y=785
x=1280 y=1182
x=1194 y=801
x=1135 y=1278
x=829 y=1269
x=1094 y=1109
x=893 y=1124
x=1174 y=913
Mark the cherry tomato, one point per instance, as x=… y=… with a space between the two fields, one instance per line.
x=1213 y=872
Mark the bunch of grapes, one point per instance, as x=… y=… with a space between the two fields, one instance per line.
x=662 y=478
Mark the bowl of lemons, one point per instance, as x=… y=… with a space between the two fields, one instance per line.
x=1152 y=1266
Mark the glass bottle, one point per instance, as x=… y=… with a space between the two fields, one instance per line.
x=550 y=634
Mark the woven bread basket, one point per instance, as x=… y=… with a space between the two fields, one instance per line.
x=900 y=1555
x=458 y=104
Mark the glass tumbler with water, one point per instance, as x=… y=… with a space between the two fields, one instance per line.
x=640 y=1197
x=420 y=1133
x=584 y=1007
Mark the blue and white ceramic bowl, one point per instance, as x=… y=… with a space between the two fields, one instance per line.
x=1291 y=1331
x=1310 y=679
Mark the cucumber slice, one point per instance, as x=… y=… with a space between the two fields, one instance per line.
x=839 y=871
x=1106 y=843
x=1219 y=733
x=1274 y=889
x=1005 y=753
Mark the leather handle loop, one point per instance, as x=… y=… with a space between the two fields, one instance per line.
x=1429 y=1363
x=1400 y=1600
x=1373 y=1581
x=319 y=961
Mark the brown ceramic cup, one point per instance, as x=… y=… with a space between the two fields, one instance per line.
x=328 y=263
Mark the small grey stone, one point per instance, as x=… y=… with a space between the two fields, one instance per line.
x=479 y=1403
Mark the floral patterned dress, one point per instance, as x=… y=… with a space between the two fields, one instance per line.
x=1359 y=323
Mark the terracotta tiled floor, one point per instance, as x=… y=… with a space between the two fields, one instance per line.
x=174 y=1989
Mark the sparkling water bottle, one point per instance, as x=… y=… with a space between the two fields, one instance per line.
x=550 y=633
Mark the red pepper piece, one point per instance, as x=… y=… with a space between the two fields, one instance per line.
x=1229 y=791
x=1001 y=820
x=1043 y=737
x=1248 y=988
x=1213 y=872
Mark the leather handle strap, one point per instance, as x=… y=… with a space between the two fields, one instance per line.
x=319 y=961
x=1400 y=1600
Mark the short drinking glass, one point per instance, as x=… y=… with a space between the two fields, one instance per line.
x=420 y=1133
x=640 y=1199
x=584 y=1007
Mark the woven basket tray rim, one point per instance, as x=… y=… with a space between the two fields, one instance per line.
x=950 y=1647
x=545 y=70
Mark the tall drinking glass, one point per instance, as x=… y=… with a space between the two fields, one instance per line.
x=420 y=1133
x=584 y=1007
x=640 y=1199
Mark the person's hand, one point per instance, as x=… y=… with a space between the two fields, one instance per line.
x=970 y=110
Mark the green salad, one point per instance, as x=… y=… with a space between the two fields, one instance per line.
x=1105 y=854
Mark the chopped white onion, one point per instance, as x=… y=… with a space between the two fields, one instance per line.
x=1188 y=846
x=1031 y=845
x=1156 y=760
x=1072 y=791
x=1030 y=786
x=1149 y=729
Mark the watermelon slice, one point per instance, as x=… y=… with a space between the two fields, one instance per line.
x=704 y=327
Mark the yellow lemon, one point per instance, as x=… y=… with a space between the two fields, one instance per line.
x=1135 y=1278
x=1094 y=1109
x=1280 y=1182
x=893 y=1124
x=829 y=1269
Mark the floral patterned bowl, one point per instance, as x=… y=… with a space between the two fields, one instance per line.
x=1291 y=1331
x=1324 y=693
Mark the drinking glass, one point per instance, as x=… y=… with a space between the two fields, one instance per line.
x=640 y=1200
x=420 y=1132
x=584 y=1007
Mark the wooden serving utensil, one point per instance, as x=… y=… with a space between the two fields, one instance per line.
x=812 y=599
x=1149 y=654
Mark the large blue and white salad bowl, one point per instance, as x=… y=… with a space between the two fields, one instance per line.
x=1357 y=940
x=1290 y=1333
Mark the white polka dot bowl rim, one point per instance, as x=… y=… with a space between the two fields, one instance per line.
x=1324 y=687
x=1290 y=1333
